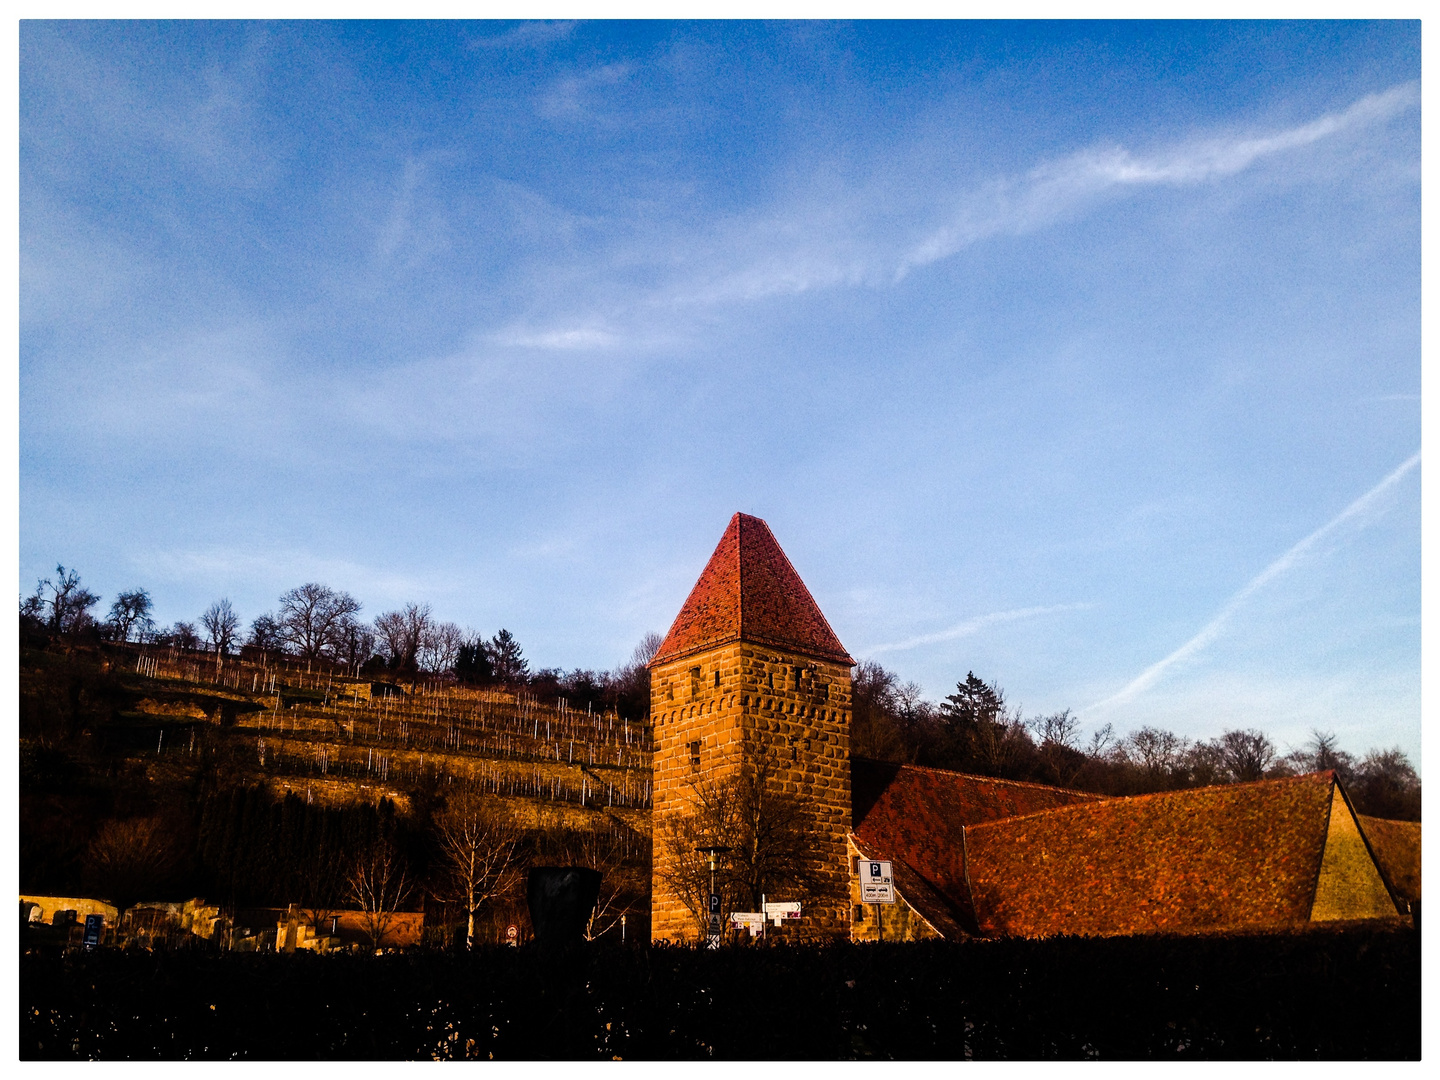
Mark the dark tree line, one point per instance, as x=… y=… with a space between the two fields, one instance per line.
x=975 y=730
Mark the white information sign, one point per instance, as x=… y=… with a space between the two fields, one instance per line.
x=876 y=884
x=747 y=920
x=776 y=912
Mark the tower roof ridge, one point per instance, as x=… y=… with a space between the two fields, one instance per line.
x=750 y=591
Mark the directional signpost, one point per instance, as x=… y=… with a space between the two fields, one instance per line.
x=776 y=913
x=753 y=921
x=877 y=887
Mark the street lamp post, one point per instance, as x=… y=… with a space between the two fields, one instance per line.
x=713 y=850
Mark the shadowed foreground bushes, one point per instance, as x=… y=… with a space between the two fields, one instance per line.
x=1317 y=995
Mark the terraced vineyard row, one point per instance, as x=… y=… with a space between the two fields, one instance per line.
x=341 y=728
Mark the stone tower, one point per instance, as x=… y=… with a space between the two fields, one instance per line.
x=751 y=669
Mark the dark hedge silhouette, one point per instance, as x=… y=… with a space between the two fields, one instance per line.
x=1328 y=995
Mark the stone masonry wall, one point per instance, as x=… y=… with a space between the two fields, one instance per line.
x=727 y=705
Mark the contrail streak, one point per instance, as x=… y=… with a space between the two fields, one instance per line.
x=971 y=626
x=1216 y=626
x=1052 y=189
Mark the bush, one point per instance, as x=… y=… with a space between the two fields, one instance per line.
x=1320 y=995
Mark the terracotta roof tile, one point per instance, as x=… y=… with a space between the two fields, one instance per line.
x=914 y=817
x=749 y=591
x=1244 y=855
x=1396 y=845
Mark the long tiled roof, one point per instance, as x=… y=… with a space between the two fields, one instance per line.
x=1396 y=845
x=1244 y=855
x=915 y=818
x=749 y=591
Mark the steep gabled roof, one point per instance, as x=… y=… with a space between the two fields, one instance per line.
x=915 y=817
x=749 y=591
x=1244 y=855
x=1396 y=845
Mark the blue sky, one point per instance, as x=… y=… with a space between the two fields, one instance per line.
x=1083 y=356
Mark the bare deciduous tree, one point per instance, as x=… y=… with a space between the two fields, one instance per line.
x=355 y=644
x=771 y=837
x=1102 y=742
x=399 y=635
x=1387 y=785
x=220 y=623
x=182 y=635
x=379 y=882
x=1059 y=729
x=998 y=744
x=1059 y=745
x=1320 y=753
x=130 y=613
x=132 y=857
x=310 y=617
x=1156 y=751
x=68 y=601
x=477 y=843
x=647 y=648
x=1202 y=764
x=440 y=647
x=266 y=635
x=1246 y=754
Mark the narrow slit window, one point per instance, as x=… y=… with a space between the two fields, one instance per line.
x=695 y=755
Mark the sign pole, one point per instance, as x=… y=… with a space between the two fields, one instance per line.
x=713 y=926
x=880 y=922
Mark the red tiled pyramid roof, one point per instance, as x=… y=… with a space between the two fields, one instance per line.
x=915 y=817
x=749 y=591
x=1243 y=855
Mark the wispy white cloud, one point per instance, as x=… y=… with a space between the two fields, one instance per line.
x=1054 y=189
x=573 y=95
x=576 y=337
x=208 y=125
x=397 y=222
x=840 y=237
x=971 y=626
x=528 y=35
x=1355 y=514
